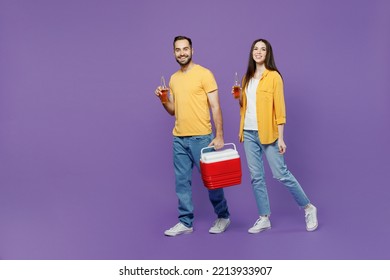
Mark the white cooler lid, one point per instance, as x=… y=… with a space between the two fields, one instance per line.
x=215 y=156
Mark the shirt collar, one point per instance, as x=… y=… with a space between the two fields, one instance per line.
x=265 y=73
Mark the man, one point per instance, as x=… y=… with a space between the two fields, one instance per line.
x=193 y=92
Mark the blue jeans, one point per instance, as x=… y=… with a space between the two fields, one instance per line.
x=186 y=153
x=254 y=151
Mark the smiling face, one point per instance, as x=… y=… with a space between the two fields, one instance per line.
x=183 y=52
x=259 y=52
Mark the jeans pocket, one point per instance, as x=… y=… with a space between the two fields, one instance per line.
x=202 y=138
x=202 y=141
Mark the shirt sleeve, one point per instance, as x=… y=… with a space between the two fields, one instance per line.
x=208 y=81
x=280 y=107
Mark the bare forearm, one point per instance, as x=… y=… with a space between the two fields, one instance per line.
x=169 y=107
x=281 y=144
x=218 y=141
x=218 y=122
x=281 y=131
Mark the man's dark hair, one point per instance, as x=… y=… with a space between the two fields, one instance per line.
x=177 y=38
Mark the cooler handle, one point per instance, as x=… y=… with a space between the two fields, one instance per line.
x=201 y=151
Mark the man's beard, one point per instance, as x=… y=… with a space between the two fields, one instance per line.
x=186 y=62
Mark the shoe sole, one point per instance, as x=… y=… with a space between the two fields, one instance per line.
x=216 y=232
x=312 y=229
x=263 y=229
x=179 y=233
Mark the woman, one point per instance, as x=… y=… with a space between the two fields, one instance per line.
x=263 y=116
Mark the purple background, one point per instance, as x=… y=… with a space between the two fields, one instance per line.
x=85 y=146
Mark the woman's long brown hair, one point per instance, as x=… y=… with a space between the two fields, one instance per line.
x=269 y=62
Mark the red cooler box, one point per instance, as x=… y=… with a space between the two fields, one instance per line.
x=220 y=168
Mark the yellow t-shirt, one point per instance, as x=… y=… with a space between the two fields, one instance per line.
x=192 y=111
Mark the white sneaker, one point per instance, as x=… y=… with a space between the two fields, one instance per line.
x=311 y=218
x=262 y=223
x=220 y=225
x=178 y=229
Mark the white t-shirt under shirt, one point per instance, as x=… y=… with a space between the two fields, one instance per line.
x=250 y=115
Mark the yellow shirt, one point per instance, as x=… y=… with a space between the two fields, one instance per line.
x=192 y=111
x=270 y=107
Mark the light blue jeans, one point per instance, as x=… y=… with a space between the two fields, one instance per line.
x=254 y=151
x=186 y=154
